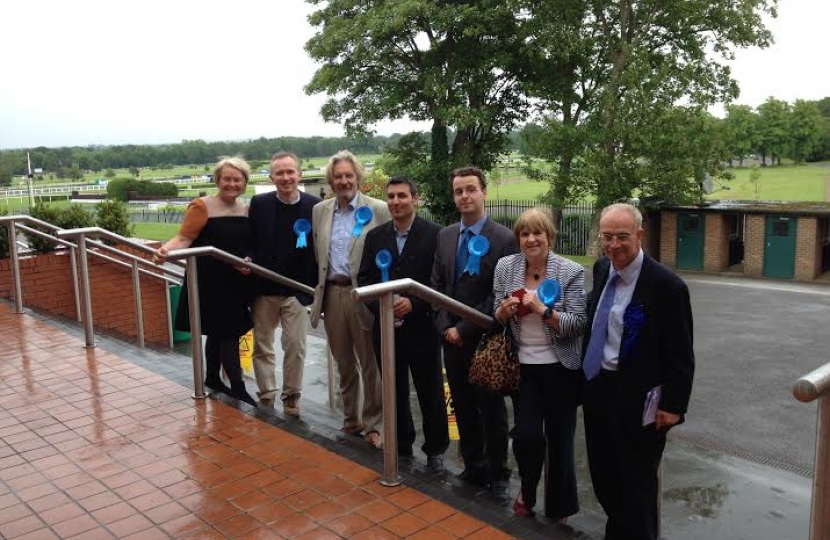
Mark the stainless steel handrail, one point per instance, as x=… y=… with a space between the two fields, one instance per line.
x=191 y=254
x=386 y=291
x=816 y=386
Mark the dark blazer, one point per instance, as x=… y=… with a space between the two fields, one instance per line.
x=414 y=262
x=477 y=290
x=663 y=353
x=274 y=245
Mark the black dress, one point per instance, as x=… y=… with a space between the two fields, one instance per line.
x=224 y=293
x=224 y=300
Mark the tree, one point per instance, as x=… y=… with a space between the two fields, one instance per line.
x=134 y=170
x=75 y=173
x=453 y=64
x=773 y=130
x=608 y=72
x=5 y=177
x=805 y=129
x=110 y=173
x=740 y=128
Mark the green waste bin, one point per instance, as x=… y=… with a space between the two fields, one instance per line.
x=175 y=294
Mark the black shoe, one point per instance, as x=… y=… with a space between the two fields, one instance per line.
x=242 y=395
x=474 y=476
x=435 y=463
x=217 y=386
x=499 y=488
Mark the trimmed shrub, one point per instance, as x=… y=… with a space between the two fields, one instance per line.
x=72 y=217
x=120 y=188
x=4 y=237
x=113 y=216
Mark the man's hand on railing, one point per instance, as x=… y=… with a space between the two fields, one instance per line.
x=244 y=270
x=402 y=307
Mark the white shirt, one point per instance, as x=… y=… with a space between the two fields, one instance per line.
x=342 y=227
x=534 y=345
x=626 y=283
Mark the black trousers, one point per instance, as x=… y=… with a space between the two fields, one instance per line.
x=481 y=417
x=418 y=351
x=223 y=351
x=623 y=457
x=547 y=399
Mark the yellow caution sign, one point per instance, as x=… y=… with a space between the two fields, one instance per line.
x=246 y=352
x=450 y=411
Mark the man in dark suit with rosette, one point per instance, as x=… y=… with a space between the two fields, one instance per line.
x=638 y=367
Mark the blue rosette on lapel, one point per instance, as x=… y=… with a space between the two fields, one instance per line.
x=362 y=216
x=383 y=260
x=478 y=247
x=634 y=319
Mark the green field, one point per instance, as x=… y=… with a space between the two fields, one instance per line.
x=155 y=231
x=785 y=183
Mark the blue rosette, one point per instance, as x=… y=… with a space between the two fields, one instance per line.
x=549 y=292
x=634 y=319
x=362 y=216
x=478 y=247
x=301 y=228
x=383 y=260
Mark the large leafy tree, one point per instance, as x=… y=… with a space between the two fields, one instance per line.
x=610 y=72
x=774 y=121
x=805 y=129
x=740 y=132
x=454 y=63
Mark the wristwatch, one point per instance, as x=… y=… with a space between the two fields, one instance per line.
x=547 y=314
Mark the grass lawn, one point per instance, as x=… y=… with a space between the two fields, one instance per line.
x=526 y=190
x=785 y=183
x=581 y=259
x=155 y=231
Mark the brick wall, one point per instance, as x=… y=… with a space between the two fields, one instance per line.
x=807 y=250
x=754 y=245
x=716 y=244
x=47 y=286
x=668 y=239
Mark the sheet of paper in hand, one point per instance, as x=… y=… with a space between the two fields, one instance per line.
x=650 y=407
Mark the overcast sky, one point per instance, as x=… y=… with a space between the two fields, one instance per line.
x=110 y=71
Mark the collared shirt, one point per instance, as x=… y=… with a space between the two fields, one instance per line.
x=475 y=228
x=400 y=238
x=295 y=201
x=626 y=284
x=341 y=238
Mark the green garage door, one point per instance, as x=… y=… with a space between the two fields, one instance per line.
x=690 y=234
x=779 y=247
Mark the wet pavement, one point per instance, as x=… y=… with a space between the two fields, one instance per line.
x=739 y=467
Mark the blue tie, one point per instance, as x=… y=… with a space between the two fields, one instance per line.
x=599 y=331
x=463 y=253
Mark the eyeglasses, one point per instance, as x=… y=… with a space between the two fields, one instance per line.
x=621 y=237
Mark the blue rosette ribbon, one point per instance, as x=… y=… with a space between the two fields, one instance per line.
x=634 y=319
x=383 y=260
x=301 y=228
x=362 y=216
x=478 y=247
x=549 y=292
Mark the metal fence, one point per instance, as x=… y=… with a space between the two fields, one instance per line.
x=574 y=223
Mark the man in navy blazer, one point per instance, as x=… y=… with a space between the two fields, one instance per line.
x=640 y=340
x=276 y=246
x=411 y=240
x=481 y=415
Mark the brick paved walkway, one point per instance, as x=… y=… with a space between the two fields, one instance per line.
x=93 y=446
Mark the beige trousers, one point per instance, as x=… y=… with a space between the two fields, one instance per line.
x=349 y=330
x=269 y=312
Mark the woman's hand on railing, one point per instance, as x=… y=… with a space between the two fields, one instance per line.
x=160 y=256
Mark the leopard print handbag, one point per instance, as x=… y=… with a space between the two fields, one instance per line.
x=495 y=364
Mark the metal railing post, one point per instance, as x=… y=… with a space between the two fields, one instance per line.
x=14 y=260
x=139 y=313
x=390 y=475
x=168 y=306
x=89 y=334
x=820 y=509
x=73 y=262
x=195 y=327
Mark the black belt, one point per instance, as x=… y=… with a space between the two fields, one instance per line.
x=340 y=281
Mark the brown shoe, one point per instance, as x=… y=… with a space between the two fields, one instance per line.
x=291 y=406
x=373 y=438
